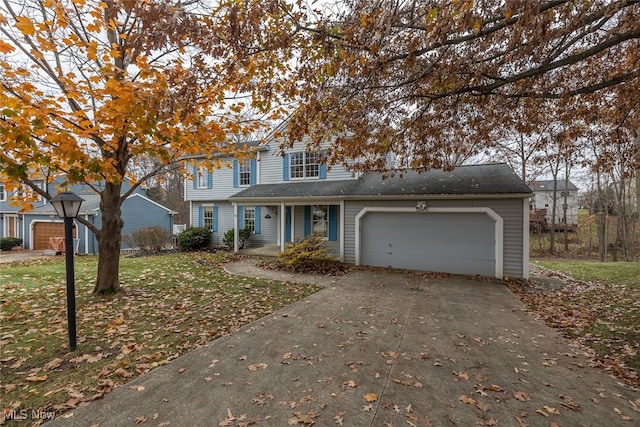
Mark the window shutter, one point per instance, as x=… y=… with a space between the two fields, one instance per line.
x=285 y=168
x=195 y=177
x=240 y=216
x=333 y=222
x=235 y=173
x=200 y=216
x=307 y=220
x=256 y=226
x=322 y=173
x=214 y=220
x=254 y=172
x=209 y=180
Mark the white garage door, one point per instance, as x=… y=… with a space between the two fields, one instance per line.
x=462 y=243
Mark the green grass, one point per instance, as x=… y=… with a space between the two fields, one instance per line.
x=612 y=307
x=171 y=305
x=613 y=273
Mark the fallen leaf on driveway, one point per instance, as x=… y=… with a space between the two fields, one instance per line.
x=521 y=396
x=257 y=366
x=551 y=410
x=370 y=397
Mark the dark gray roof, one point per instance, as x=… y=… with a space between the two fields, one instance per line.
x=547 y=185
x=490 y=179
x=90 y=206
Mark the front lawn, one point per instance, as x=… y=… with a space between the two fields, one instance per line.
x=171 y=305
x=601 y=312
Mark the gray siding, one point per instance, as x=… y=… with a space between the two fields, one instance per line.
x=222 y=185
x=268 y=227
x=509 y=209
x=271 y=164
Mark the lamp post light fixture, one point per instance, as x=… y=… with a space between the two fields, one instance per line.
x=67 y=206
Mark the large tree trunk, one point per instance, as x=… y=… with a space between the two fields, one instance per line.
x=109 y=239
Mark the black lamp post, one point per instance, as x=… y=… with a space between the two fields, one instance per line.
x=67 y=206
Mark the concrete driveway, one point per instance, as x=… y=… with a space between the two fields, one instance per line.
x=19 y=255
x=378 y=348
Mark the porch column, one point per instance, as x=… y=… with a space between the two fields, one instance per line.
x=283 y=225
x=341 y=234
x=236 y=246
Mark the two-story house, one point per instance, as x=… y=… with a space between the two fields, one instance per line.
x=567 y=201
x=472 y=220
x=38 y=225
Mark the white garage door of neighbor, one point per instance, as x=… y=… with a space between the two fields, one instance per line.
x=462 y=243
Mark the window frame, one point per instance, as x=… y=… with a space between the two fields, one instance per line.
x=207 y=209
x=249 y=220
x=306 y=166
x=244 y=174
x=202 y=178
x=3 y=193
x=317 y=220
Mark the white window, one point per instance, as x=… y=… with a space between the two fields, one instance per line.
x=304 y=165
x=250 y=218
x=244 y=174
x=320 y=220
x=207 y=217
x=203 y=177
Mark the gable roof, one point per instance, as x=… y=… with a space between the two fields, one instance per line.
x=480 y=180
x=547 y=185
x=91 y=205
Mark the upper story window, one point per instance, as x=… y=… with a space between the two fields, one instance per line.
x=244 y=174
x=203 y=177
x=304 y=165
x=3 y=193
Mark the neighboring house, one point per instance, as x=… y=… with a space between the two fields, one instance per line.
x=473 y=220
x=543 y=200
x=37 y=226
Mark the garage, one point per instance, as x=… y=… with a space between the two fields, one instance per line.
x=42 y=231
x=462 y=241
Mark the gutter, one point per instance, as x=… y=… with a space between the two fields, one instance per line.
x=382 y=197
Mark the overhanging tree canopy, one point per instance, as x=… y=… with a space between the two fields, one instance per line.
x=422 y=79
x=89 y=87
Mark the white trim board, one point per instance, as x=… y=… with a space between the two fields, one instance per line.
x=498 y=229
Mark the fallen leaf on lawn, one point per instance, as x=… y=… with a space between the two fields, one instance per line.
x=349 y=384
x=122 y=373
x=55 y=363
x=36 y=378
x=257 y=366
x=137 y=387
x=367 y=408
x=339 y=419
x=141 y=420
x=370 y=397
